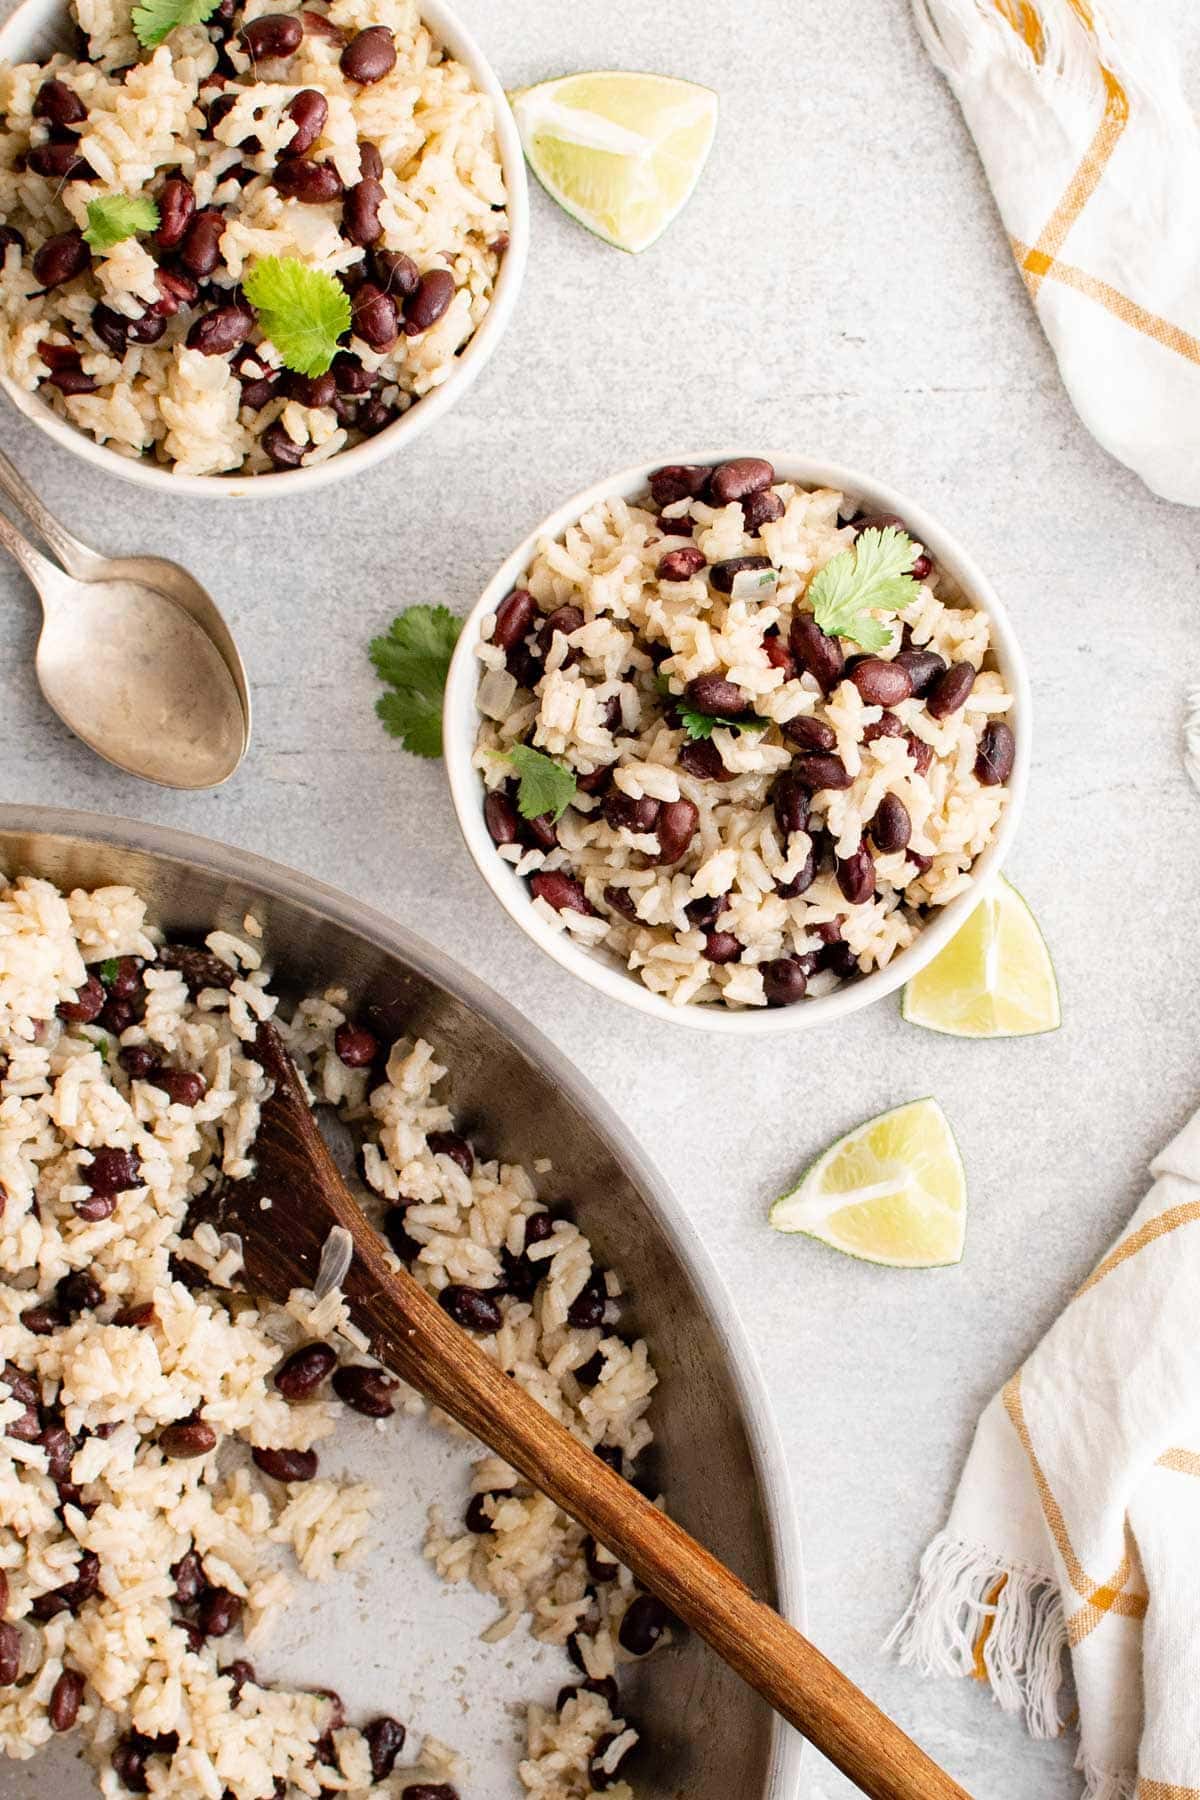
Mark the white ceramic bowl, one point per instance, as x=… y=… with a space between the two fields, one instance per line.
x=38 y=27
x=598 y=967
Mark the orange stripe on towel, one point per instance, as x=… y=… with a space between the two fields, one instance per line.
x=979 y=1667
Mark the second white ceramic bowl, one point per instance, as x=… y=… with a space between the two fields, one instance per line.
x=598 y=967
x=37 y=28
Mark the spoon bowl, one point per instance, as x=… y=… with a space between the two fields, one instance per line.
x=134 y=656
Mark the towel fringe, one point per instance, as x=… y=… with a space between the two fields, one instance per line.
x=1106 y=1784
x=972 y=1614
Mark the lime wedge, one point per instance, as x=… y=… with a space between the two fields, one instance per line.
x=894 y=1191
x=993 y=979
x=621 y=152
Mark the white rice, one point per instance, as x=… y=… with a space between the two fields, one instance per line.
x=599 y=700
x=443 y=207
x=210 y=1352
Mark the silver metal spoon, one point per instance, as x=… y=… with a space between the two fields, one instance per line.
x=133 y=656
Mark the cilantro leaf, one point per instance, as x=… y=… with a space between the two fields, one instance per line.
x=118 y=216
x=546 y=786
x=413 y=659
x=303 y=311
x=153 y=20
x=702 y=725
x=109 y=970
x=875 y=576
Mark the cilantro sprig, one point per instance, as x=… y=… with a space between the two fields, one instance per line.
x=303 y=311
x=117 y=216
x=876 y=576
x=155 y=20
x=413 y=658
x=544 y=786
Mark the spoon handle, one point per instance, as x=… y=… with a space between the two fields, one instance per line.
x=45 y=575
x=75 y=557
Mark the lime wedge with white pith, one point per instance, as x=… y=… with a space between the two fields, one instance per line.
x=993 y=979
x=893 y=1191
x=621 y=152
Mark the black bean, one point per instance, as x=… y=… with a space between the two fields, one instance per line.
x=735 y=480
x=218 y=332
x=312 y=183
x=887 y=725
x=501 y=818
x=562 y=621
x=300 y=1375
x=43 y=1321
x=59 y=104
x=374 y=317
x=856 y=876
x=87 y=1004
x=924 y=666
x=701 y=759
x=922 y=568
x=881 y=683
x=471 y=1307
x=129 y=1761
x=560 y=891
x=724 y=574
x=761 y=508
x=176 y=207
x=99 y=1206
x=286 y=1465
x=189 y=1576
x=78 y=1292
x=283 y=450
x=921 y=753
x=183 y=1087
x=429 y=303
x=997 y=753
x=477 y=1518
x=187 y=1438
x=601 y=1566
x=349 y=375
x=456 y=1147
x=375 y=416
x=721 y=947
x=644 y=1623
x=621 y=901
x=61 y=258
x=431 y=1790
x=681 y=565
x=369 y=56
x=395 y=272
x=817 y=771
x=200 y=249
x=817 y=654
x=112 y=1171
x=370 y=162
x=365 y=1390
x=308 y=111
x=713 y=694
x=677 y=824
x=599 y=1777
x=10 y=1654
x=808 y=733
x=273 y=34
x=784 y=981
x=586 y=1311
x=395 y=1231
x=878 y=522
x=540 y=831
x=219 y=1612
x=604 y=1685
x=240 y=1672
x=176 y=288
x=360 y=211
x=71 y=1597
x=948 y=693
x=678 y=481
x=355 y=1045
x=141 y=1314
x=111 y=328
x=622 y=810
x=60 y=162
x=385 y=1740
x=891 y=827
x=9 y=235
x=72 y=381
x=65 y=1697
x=199 y=968
x=514 y=618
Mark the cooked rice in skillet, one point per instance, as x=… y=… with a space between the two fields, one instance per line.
x=199 y=107
x=590 y=669
x=97 y=1518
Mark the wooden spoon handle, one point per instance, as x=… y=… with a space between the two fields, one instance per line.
x=285 y=1211
x=412 y=1335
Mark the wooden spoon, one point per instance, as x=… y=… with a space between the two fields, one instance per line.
x=411 y=1334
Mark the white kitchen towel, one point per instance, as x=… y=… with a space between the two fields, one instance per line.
x=1093 y=155
x=1077 y=1521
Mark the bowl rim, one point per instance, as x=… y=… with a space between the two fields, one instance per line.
x=787 y=1748
x=284 y=484
x=460 y=723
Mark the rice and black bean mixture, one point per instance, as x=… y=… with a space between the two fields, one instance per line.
x=755 y=810
x=166 y=1475
x=336 y=135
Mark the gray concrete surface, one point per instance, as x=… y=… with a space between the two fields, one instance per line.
x=840 y=285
